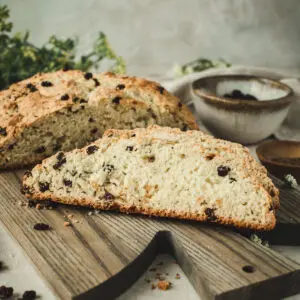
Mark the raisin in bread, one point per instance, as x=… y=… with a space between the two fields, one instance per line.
x=162 y=172
x=66 y=110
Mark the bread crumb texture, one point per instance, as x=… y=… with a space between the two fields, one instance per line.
x=61 y=111
x=162 y=172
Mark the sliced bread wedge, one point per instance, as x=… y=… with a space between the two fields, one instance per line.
x=162 y=172
x=65 y=110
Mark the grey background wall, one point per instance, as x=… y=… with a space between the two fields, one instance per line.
x=154 y=34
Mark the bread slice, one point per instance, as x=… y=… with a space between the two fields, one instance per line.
x=67 y=110
x=162 y=172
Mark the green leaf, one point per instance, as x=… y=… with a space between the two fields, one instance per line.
x=20 y=59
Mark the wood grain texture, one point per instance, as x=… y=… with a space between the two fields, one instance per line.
x=102 y=255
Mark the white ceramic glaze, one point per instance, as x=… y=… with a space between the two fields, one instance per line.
x=241 y=121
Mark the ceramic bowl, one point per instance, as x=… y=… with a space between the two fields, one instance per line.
x=243 y=121
x=280 y=157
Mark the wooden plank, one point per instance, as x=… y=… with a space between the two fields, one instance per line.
x=104 y=254
x=287 y=228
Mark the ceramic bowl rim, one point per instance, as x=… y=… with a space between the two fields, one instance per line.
x=282 y=101
x=264 y=159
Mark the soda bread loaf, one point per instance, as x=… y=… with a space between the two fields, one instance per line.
x=162 y=172
x=65 y=110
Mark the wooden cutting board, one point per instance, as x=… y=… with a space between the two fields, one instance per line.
x=102 y=255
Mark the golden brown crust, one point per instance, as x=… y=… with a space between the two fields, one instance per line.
x=152 y=212
x=160 y=95
x=20 y=107
x=30 y=101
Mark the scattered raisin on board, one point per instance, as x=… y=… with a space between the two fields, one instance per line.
x=29 y=295
x=41 y=226
x=6 y=292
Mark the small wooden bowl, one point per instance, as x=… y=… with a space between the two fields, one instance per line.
x=280 y=157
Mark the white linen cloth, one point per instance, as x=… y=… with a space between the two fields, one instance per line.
x=290 y=129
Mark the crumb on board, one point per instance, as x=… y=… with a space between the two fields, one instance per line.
x=38 y=206
x=153 y=286
x=177 y=276
x=70 y=216
x=259 y=241
x=164 y=285
x=291 y=181
x=66 y=224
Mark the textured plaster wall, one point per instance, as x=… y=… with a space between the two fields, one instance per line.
x=153 y=34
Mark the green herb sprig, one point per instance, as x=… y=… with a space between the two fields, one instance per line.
x=199 y=65
x=20 y=59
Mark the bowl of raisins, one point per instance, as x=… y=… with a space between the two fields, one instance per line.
x=241 y=108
